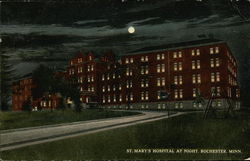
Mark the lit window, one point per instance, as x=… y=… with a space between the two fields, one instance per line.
x=114 y=88
x=109 y=100
x=158 y=95
x=193 y=64
x=217 y=50
x=198 y=78
x=88 y=78
x=212 y=77
x=126 y=60
x=142 y=59
x=217 y=62
x=120 y=98
x=179 y=54
x=108 y=87
x=181 y=93
x=131 y=60
x=194 y=105
x=158 y=82
x=92 y=89
x=103 y=99
x=219 y=103
x=194 y=92
x=146 y=95
x=211 y=50
x=175 y=67
x=142 y=70
x=162 y=56
x=162 y=67
x=131 y=97
x=175 y=93
x=142 y=96
x=192 y=53
x=198 y=64
x=158 y=56
x=158 y=68
x=108 y=77
x=142 y=83
x=193 y=78
x=181 y=105
x=103 y=77
x=175 y=55
x=180 y=80
x=92 y=79
x=163 y=82
x=103 y=88
x=146 y=58
x=114 y=98
x=120 y=87
x=198 y=52
x=180 y=66
x=92 y=67
x=175 y=80
x=211 y=63
x=146 y=69
x=217 y=76
x=113 y=75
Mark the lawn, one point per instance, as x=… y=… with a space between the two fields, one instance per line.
x=13 y=120
x=182 y=132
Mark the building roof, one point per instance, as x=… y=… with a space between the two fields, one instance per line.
x=176 y=45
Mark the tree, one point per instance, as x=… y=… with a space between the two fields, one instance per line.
x=6 y=74
x=42 y=79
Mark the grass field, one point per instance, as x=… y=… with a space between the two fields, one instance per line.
x=12 y=120
x=182 y=132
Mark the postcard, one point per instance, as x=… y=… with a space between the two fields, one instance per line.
x=125 y=80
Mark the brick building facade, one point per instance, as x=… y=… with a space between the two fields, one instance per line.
x=172 y=75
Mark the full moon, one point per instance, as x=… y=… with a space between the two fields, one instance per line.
x=131 y=29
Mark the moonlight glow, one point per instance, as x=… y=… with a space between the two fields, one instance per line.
x=131 y=29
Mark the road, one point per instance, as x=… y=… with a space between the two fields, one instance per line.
x=17 y=138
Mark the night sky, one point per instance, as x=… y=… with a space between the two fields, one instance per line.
x=51 y=33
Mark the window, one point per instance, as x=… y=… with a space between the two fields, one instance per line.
x=109 y=100
x=108 y=77
x=79 y=69
x=162 y=56
x=142 y=59
x=180 y=66
x=212 y=77
x=217 y=50
x=179 y=54
x=120 y=87
x=211 y=63
x=114 y=88
x=113 y=75
x=175 y=67
x=163 y=82
x=103 y=77
x=193 y=64
x=146 y=58
x=211 y=50
x=131 y=60
x=181 y=93
x=158 y=82
x=158 y=68
x=217 y=76
x=175 y=80
x=194 y=92
x=162 y=68
x=120 y=98
x=92 y=67
x=175 y=93
x=108 y=87
x=146 y=95
x=198 y=52
x=103 y=88
x=142 y=96
x=180 y=80
x=192 y=53
x=158 y=57
x=175 y=55
x=196 y=78
x=196 y=64
x=114 y=98
x=92 y=78
x=158 y=95
x=217 y=62
x=88 y=78
x=126 y=60
x=146 y=69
